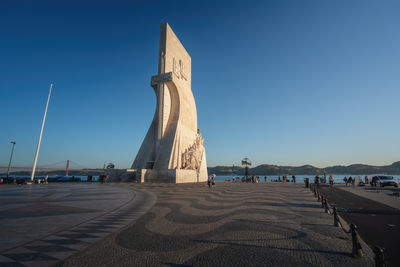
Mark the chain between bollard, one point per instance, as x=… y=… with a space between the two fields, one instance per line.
x=357 y=251
x=356 y=245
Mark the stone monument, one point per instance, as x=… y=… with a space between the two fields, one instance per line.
x=173 y=149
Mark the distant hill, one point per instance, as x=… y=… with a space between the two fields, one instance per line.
x=266 y=169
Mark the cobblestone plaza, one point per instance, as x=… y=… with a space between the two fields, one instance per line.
x=170 y=225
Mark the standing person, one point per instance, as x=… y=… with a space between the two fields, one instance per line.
x=209 y=181
x=374 y=181
x=331 y=181
x=212 y=179
x=316 y=180
x=279 y=179
x=345 y=180
x=294 y=179
x=265 y=179
x=350 y=181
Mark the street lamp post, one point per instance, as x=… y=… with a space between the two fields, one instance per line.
x=9 y=163
x=246 y=163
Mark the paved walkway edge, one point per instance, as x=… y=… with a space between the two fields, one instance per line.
x=58 y=246
x=368 y=253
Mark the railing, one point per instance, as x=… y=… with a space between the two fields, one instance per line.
x=357 y=251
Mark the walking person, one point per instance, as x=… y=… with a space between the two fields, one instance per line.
x=212 y=180
x=331 y=181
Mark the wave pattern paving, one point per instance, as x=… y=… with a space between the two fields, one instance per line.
x=229 y=225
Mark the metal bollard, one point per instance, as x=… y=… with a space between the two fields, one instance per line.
x=379 y=257
x=357 y=250
x=326 y=206
x=335 y=217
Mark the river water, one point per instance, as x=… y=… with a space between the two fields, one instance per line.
x=300 y=178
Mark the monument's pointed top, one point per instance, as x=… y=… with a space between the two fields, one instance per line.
x=169 y=42
x=165 y=25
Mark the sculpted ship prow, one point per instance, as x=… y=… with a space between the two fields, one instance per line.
x=173 y=149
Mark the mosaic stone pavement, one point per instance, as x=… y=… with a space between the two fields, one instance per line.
x=229 y=225
x=63 y=201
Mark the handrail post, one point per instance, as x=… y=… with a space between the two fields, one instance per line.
x=326 y=206
x=335 y=217
x=357 y=250
x=379 y=257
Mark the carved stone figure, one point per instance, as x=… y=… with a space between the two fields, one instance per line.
x=192 y=156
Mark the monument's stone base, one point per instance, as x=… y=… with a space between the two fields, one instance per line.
x=121 y=175
x=154 y=176
x=171 y=176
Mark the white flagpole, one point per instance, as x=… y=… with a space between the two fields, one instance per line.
x=40 y=136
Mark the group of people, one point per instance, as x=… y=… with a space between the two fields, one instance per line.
x=257 y=179
x=356 y=181
x=210 y=180
x=347 y=181
x=103 y=178
x=322 y=180
x=317 y=180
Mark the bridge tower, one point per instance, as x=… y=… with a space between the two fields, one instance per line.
x=66 y=168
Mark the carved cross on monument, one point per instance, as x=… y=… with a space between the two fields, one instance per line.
x=157 y=82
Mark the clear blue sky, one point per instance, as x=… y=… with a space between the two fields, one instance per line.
x=281 y=82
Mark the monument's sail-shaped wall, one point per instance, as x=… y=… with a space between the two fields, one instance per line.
x=172 y=150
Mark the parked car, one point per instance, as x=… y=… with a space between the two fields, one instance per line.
x=384 y=180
